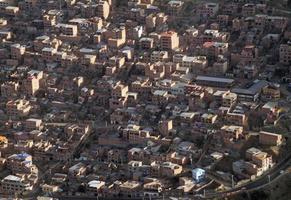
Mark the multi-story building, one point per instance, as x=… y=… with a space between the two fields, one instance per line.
x=256 y=163
x=174 y=7
x=103 y=9
x=32 y=83
x=249 y=55
x=48 y=53
x=135 y=135
x=116 y=37
x=267 y=138
x=229 y=99
x=206 y=10
x=119 y=91
x=159 y=56
x=271 y=92
x=66 y=29
x=95 y=187
x=28 y=4
x=142 y=87
x=146 y=43
x=17 y=51
x=169 y=169
x=21 y=163
x=33 y=124
x=9 y=89
x=131 y=189
x=18 y=108
x=50 y=188
x=249 y=9
x=220 y=66
x=77 y=170
x=214 y=49
x=231 y=132
x=5 y=3
x=238 y=119
x=15 y=185
x=261 y=159
x=195 y=63
x=285 y=53
x=169 y=40
x=165 y=127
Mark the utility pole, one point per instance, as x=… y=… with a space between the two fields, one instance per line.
x=270 y=187
x=232 y=182
x=249 y=196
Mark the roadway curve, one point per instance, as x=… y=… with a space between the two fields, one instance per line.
x=263 y=180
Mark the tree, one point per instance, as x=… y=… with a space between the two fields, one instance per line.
x=81 y=188
x=199 y=142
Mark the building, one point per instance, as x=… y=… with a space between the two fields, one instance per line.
x=10 y=89
x=32 y=82
x=103 y=9
x=159 y=56
x=252 y=90
x=238 y=119
x=131 y=189
x=46 y=188
x=33 y=124
x=214 y=49
x=261 y=159
x=196 y=64
x=198 y=175
x=17 y=51
x=146 y=43
x=231 y=133
x=66 y=29
x=94 y=187
x=119 y=91
x=169 y=40
x=165 y=127
x=271 y=92
x=206 y=10
x=267 y=138
x=18 y=108
x=3 y=141
x=249 y=9
x=15 y=185
x=256 y=163
x=174 y=7
x=21 y=163
x=5 y=3
x=169 y=169
x=77 y=170
x=117 y=37
x=229 y=99
x=285 y=53
x=214 y=81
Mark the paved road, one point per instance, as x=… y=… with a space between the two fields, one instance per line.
x=259 y=182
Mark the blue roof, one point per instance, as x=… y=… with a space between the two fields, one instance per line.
x=22 y=156
x=198 y=170
x=256 y=87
